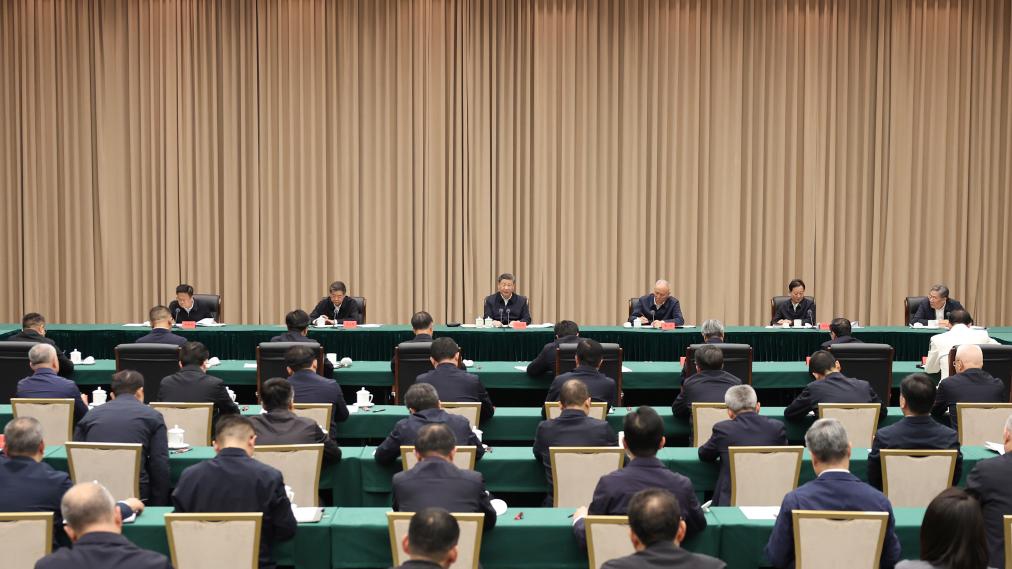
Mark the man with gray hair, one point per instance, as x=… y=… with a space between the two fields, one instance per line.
x=937 y=306
x=834 y=488
x=989 y=479
x=658 y=307
x=44 y=383
x=971 y=384
x=94 y=525
x=712 y=331
x=746 y=428
x=422 y=402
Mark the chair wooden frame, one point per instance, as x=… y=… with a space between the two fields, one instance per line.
x=553 y=452
x=395 y=546
x=256 y=518
x=883 y=453
x=156 y=405
x=798 y=515
x=470 y=451
x=589 y=522
x=632 y=305
x=959 y=416
x=135 y=447
x=598 y=409
x=1006 y=523
x=15 y=401
x=318 y=447
x=328 y=407
x=465 y=409
x=875 y=406
x=47 y=517
x=733 y=451
x=696 y=406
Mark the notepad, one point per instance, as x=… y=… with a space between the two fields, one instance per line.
x=625 y=369
x=760 y=512
x=250 y=365
x=307 y=515
x=996 y=447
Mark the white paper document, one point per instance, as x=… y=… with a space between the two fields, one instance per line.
x=542 y=325
x=138 y=324
x=996 y=447
x=369 y=325
x=209 y=322
x=760 y=512
x=625 y=369
x=520 y=368
x=307 y=515
x=250 y=365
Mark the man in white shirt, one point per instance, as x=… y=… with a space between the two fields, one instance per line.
x=959 y=334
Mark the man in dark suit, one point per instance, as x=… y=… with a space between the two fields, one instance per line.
x=566 y=332
x=830 y=386
x=657 y=532
x=126 y=419
x=707 y=385
x=338 y=306
x=834 y=488
x=312 y=388
x=589 y=356
x=421 y=326
x=644 y=436
x=938 y=306
x=796 y=307
x=422 y=401
x=572 y=428
x=453 y=384
x=94 y=523
x=191 y=384
x=431 y=542
x=746 y=428
x=186 y=308
x=281 y=426
x=504 y=306
x=712 y=331
x=839 y=333
x=297 y=322
x=234 y=481
x=989 y=480
x=970 y=384
x=161 y=329
x=916 y=431
x=44 y=383
x=437 y=482
x=33 y=329
x=658 y=307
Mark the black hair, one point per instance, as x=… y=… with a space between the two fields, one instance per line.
x=919 y=392
x=435 y=438
x=589 y=352
x=654 y=516
x=432 y=533
x=297 y=320
x=644 y=430
x=952 y=532
x=566 y=328
x=443 y=349
x=193 y=354
x=299 y=357
x=126 y=382
x=276 y=393
x=840 y=327
x=185 y=289
x=708 y=357
x=795 y=284
x=421 y=321
x=821 y=362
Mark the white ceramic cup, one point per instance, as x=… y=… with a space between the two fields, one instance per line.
x=797 y=323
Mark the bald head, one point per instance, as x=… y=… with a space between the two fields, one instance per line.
x=968 y=356
x=88 y=506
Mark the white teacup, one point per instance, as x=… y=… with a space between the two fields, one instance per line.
x=797 y=323
x=363 y=398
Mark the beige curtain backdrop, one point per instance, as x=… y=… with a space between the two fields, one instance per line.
x=416 y=148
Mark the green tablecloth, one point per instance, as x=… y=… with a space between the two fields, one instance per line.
x=8 y=329
x=310 y=549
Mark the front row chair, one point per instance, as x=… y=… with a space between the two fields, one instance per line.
x=213 y=304
x=411 y=359
x=912 y=478
x=465 y=458
x=997 y=362
x=859 y=419
x=27 y=537
x=117 y=466
x=55 y=415
x=870 y=362
x=153 y=361
x=611 y=364
x=14 y=365
x=762 y=476
x=198 y=541
x=910 y=305
x=607 y=539
x=737 y=360
x=598 y=410
x=193 y=418
x=979 y=423
x=704 y=417
x=576 y=470
x=468 y=544
x=470 y=410
x=271 y=359
x=850 y=539
x=299 y=466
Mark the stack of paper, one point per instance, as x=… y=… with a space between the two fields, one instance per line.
x=996 y=447
x=760 y=512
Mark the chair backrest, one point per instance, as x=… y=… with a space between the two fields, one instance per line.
x=576 y=470
x=468 y=544
x=213 y=304
x=361 y=302
x=611 y=363
x=598 y=410
x=762 y=476
x=411 y=359
x=778 y=300
x=14 y=367
x=997 y=362
x=319 y=412
x=213 y=541
x=55 y=415
x=299 y=466
x=271 y=359
x=632 y=305
x=465 y=457
x=978 y=423
x=737 y=360
x=117 y=466
x=607 y=539
x=910 y=305
x=1006 y=523
x=704 y=417
x=859 y=419
x=193 y=418
x=26 y=538
x=838 y=540
x=870 y=362
x=153 y=361
x=470 y=410
x=912 y=478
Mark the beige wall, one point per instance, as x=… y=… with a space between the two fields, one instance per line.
x=417 y=148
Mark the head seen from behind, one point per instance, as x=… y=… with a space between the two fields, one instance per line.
x=298 y=358
x=566 y=328
x=589 y=353
x=655 y=518
x=952 y=532
x=712 y=328
x=194 y=354
x=421 y=397
x=160 y=317
x=421 y=323
x=708 y=358
x=88 y=507
x=644 y=432
x=435 y=440
x=277 y=394
x=823 y=363
x=839 y=327
x=968 y=356
x=234 y=431
x=574 y=395
x=741 y=399
x=34 y=321
x=23 y=437
x=297 y=321
x=432 y=536
x=444 y=351
x=917 y=394
x=43 y=356
x=960 y=316
x=127 y=383
x=829 y=445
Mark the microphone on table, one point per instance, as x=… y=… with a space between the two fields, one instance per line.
x=507 y=317
x=811 y=317
x=500 y=315
x=653 y=316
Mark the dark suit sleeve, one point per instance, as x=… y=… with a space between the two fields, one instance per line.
x=472 y=440
x=80 y=407
x=540 y=447
x=281 y=513
x=158 y=463
x=779 y=314
x=390 y=449
x=958 y=473
x=692 y=513
x=638 y=310
x=331 y=452
x=922 y=314
x=801 y=405
x=610 y=436
x=677 y=316
x=873 y=396
x=66 y=366
x=319 y=310
x=941 y=404
x=525 y=313
x=485 y=505
x=553 y=390
x=891 y=549
x=340 y=407
x=682 y=407
x=780 y=547
x=710 y=451
x=487 y=408
x=809 y=319
x=222 y=402
x=542 y=364
x=875 y=463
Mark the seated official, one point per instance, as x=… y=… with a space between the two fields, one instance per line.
x=657 y=529
x=233 y=481
x=44 y=383
x=589 y=357
x=938 y=306
x=747 y=428
x=952 y=533
x=504 y=306
x=297 y=322
x=959 y=334
x=971 y=384
x=989 y=480
x=644 y=436
x=916 y=431
x=421 y=327
x=161 y=329
x=831 y=386
x=834 y=488
x=566 y=332
x=191 y=384
x=311 y=388
x=186 y=308
x=338 y=306
x=437 y=482
x=126 y=419
x=432 y=540
x=94 y=523
x=796 y=307
x=422 y=401
x=707 y=385
x=658 y=307
x=573 y=428
x=33 y=329
x=281 y=426
x=712 y=331
x=453 y=384
x=839 y=333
